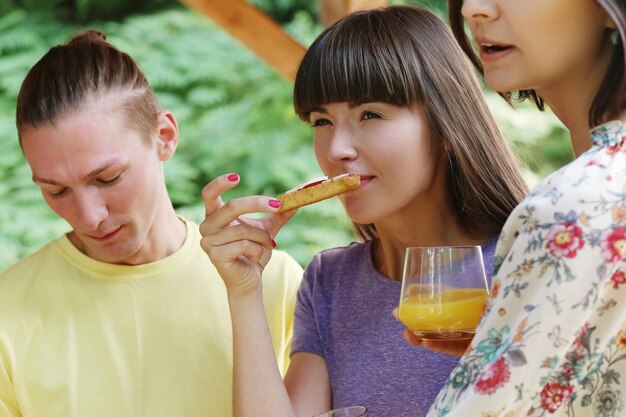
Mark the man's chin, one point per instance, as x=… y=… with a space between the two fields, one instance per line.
x=100 y=252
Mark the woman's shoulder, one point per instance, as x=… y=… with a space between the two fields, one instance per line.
x=344 y=253
x=341 y=260
x=608 y=134
x=594 y=176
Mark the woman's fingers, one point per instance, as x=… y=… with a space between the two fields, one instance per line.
x=240 y=264
x=451 y=347
x=274 y=222
x=231 y=252
x=212 y=192
x=240 y=247
x=219 y=215
x=240 y=232
x=240 y=253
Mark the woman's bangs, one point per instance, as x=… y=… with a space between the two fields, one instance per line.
x=348 y=72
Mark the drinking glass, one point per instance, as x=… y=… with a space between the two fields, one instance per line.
x=444 y=289
x=354 y=411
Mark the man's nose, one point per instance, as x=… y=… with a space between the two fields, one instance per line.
x=90 y=209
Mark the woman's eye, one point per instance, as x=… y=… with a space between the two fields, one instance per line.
x=367 y=115
x=320 y=122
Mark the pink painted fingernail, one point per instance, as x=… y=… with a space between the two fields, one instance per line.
x=274 y=203
x=273 y=243
x=233 y=177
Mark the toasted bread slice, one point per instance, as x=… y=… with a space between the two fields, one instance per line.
x=317 y=191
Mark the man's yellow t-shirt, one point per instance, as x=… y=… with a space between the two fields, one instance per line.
x=82 y=338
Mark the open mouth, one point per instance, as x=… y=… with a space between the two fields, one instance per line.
x=492 y=49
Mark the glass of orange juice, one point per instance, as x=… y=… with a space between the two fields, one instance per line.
x=444 y=289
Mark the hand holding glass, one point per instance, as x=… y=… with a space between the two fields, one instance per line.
x=444 y=290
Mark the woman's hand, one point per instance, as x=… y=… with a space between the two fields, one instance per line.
x=238 y=246
x=451 y=347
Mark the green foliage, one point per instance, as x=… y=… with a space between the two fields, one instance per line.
x=82 y=11
x=235 y=115
x=283 y=11
x=85 y=11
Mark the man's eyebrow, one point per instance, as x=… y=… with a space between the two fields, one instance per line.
x=44 y=180
x=91 y=174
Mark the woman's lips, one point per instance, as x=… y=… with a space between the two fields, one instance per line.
x=365 y=179
x=491 y=51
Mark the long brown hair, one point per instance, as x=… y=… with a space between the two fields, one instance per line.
x=67 y=76
x=406 y=55
x=610 y=99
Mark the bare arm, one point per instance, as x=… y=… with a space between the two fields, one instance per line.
x=240 y=248
x=258 y=388
x=308 y=384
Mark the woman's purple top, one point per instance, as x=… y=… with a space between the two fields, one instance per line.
x=343 y=313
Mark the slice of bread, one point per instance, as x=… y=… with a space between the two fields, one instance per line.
x=318 y=191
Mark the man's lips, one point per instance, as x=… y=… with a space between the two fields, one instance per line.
x=104 y=236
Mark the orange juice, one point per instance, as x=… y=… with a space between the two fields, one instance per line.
x=451 y=314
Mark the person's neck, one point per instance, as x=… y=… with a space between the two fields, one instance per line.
x=573 y=112
x=433 y=228
x=571 y=97
x=167 y=235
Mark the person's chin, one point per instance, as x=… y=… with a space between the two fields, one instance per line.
x=359 y=214
x=504 y=81
x=115 y=251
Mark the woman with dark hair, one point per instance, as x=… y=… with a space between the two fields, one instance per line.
x=553 y=338
x=390 y=97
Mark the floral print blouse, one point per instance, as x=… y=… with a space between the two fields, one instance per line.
x=552 y=341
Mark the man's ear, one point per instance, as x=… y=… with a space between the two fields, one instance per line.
x=167 y=134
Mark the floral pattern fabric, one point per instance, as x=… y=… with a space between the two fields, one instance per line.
x=552 y=341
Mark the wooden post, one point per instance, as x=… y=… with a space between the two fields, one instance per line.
x=333 y=10
x=256 y=30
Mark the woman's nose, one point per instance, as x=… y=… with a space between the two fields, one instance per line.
x=479 y=10
x=342 y=146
